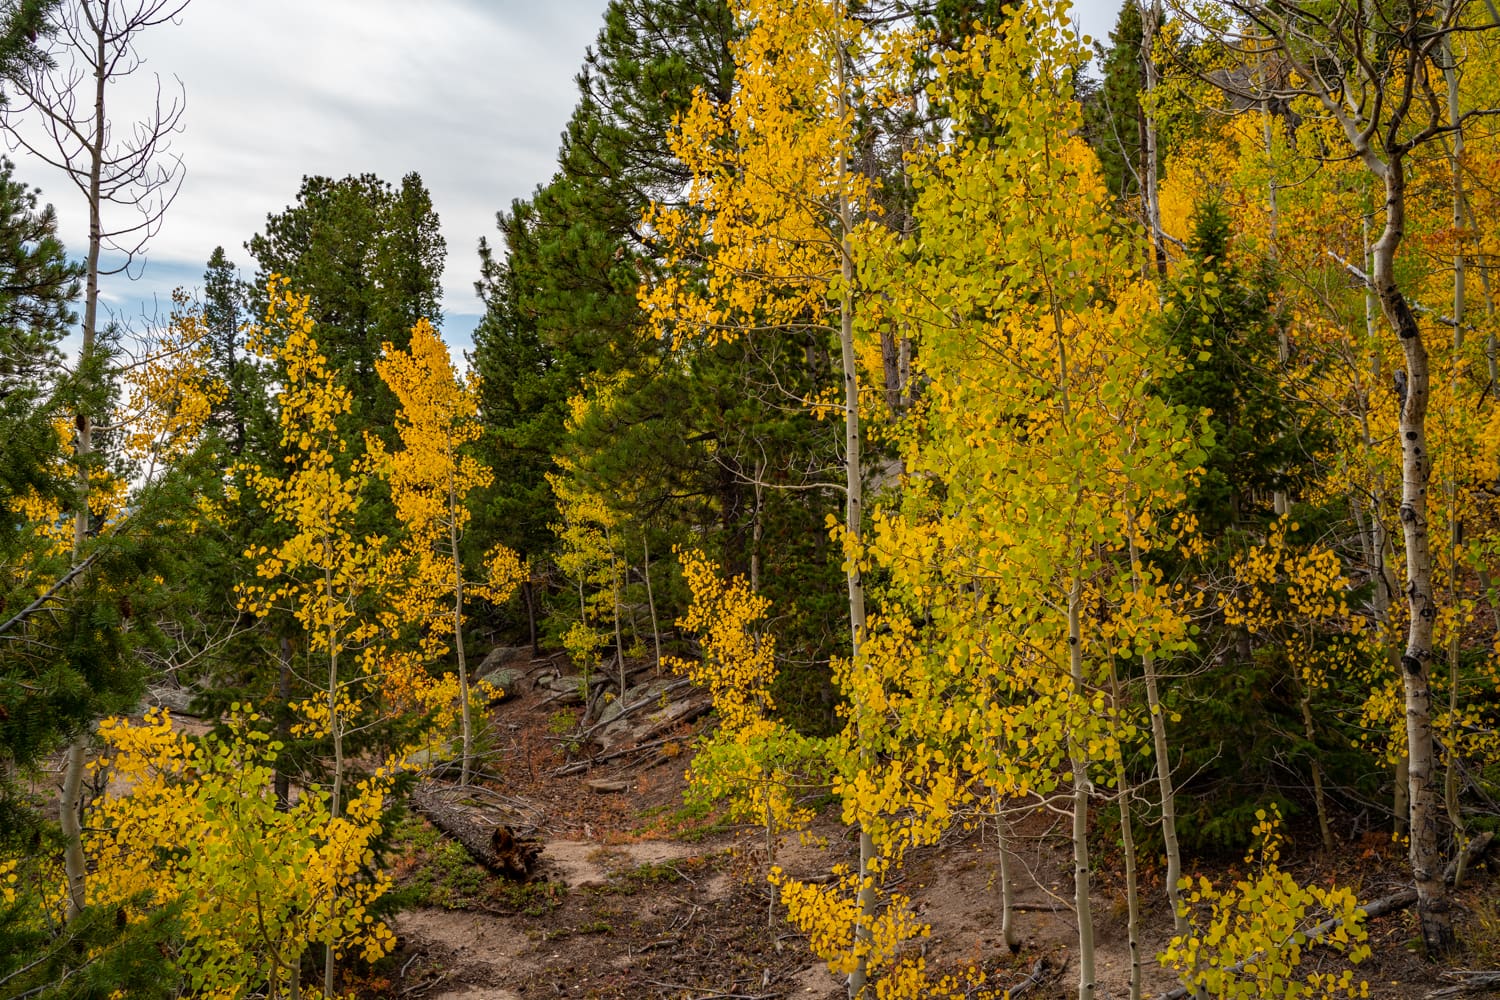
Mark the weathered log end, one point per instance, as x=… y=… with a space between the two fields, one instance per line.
x=516 y=856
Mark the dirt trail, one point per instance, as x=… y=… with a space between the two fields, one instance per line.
x=636 y=898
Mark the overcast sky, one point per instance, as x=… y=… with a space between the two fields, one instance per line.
x=471 y=94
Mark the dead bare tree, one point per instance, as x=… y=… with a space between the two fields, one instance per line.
x=1376 y=69
x=127 y=177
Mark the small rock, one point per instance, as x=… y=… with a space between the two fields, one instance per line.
x=503 y=656
x=563 y=682
x=605 y=785
x=644 y=693
x=511 y=682
x=177 y=700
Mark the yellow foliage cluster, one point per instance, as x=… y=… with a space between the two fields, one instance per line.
x=755 y=763
x=193 y=823
x=171 y=392
x=764 y=179
x=1248 y=940
x=320 y=569
x=1297 y=596
x=587 y=536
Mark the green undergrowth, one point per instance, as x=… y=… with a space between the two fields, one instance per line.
x=652 y=875
x=691 y=823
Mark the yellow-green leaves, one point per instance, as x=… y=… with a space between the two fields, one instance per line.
x=195 y=823
x=1247 y=940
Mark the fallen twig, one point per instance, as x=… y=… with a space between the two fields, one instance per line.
x=584 y=765
x=420 y=988
x=1039 y=972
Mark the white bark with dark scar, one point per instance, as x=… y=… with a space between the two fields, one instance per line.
x=1433 y=906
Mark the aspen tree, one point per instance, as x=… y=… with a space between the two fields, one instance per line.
x=255 y=885
x=752 y=760
x=587 y=534
x=324 y=571
x=1029 y=339
x=1253 y=941
x=431 y=478
x=775 y=196
x=1383 y=112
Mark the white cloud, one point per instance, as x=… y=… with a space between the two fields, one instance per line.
x=471 y=95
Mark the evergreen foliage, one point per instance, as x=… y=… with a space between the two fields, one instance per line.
x=370 y=256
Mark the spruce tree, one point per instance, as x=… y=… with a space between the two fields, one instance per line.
x=1221 y=320
x=37 y=288
x=1113 y=119
x=370 y=257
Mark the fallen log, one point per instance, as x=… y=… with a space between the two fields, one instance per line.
x=1375 y=908
x=1468 y=982
x=690 y=715
x=502 y=849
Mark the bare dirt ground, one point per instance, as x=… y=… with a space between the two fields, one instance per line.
x=637 y=897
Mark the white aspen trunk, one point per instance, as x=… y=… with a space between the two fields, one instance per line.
x=466 y=765
x=614 y=588
x=1164 y=784
x=1433 y=903
x=1127 y=844
x=1078 y=761
x=1361 y=527
x=853 y=514
x=770 y=821
x=1386 y=588
x=756 y=528
x=650 y=598
x=1150 y=194
x=282 y=780
x=70 y=806
x=854 y=506
x=1320 y=803
x=336 y=731
x=1280 y=502
x=1008 y=931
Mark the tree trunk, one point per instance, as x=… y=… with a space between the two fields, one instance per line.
x=1007 y=885
x=1078 y=761
x=465 y=766
x=650 y=597
x=1433 y=904
x=1320 y=803
x=1150 y=21
x=614 y=590
x=853 y=514
x=530 y=596
x=70 y=808
x=1164 y=783
x=282 y=781
x=1127 y=845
